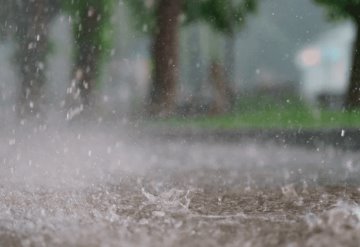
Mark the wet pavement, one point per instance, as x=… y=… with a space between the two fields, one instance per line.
x=96 y=188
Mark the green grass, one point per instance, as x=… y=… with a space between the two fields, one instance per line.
x=286 y=116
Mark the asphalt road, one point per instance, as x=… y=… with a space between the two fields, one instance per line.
x=106 y=187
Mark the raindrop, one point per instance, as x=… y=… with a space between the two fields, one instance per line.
x=145 y=28
x=342 y=133
x=12 y=142
x=158 y=213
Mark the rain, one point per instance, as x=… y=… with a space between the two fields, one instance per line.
x=179 y=123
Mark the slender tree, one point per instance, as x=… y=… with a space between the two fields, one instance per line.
x=92 y=37
x=227 y=18
x=7 y=17
x=165 y=55
x=28 y=23
x=161 y=18
x=349 y=9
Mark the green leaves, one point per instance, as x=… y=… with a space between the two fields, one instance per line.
x=81 y=9
x=100 y=35
x=223 y=16
x=143 y=12
x=338 y=9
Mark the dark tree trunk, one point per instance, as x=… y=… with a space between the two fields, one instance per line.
x=353 y=94
x=165 y=55
x=87 y=61
x=32 y=40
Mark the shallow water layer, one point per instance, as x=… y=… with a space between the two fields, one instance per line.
x=96 y=188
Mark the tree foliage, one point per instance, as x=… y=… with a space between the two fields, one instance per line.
x=144 y=12
x=342 y=8
x=100 y=36
x=223 y=16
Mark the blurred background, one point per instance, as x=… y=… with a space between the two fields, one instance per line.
x=211 y=63
x=179 y=122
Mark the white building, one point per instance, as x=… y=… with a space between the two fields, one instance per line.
x=325 y=63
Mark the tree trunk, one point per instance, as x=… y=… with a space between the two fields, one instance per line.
x=86 y=68
x=221 y=89
x=195 y=61
x=32 y=41
x=165 y=55
x=353 y=94
x=230 y=63
x=230 y=56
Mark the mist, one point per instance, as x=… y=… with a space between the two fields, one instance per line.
x=228 y=133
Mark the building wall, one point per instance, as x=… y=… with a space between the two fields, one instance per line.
x=325 y=63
